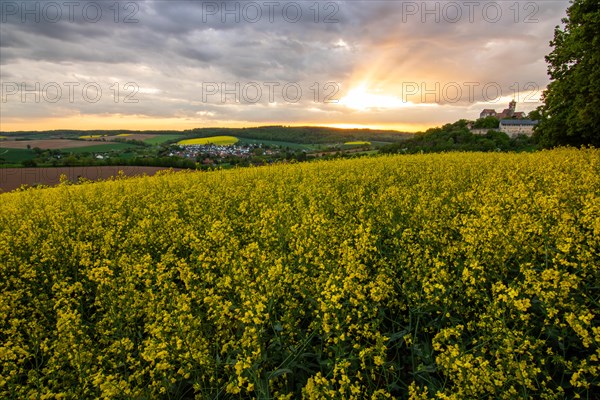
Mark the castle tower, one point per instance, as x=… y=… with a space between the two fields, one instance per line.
x=511 y=109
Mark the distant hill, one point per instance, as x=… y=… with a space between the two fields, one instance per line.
x=458 y=137
x=293 y=134
x=76 y=132
x=304 y=134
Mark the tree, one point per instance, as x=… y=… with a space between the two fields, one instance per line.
x=487 y=123
x=535 y=115
x=571 y=111
x=28 y=163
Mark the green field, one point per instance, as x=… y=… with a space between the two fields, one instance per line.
x=162 y=139
x=290 y=145
x=217 y=140
x=16 y=155
x=305 y=134
x=379 y=143
x=286 y=136
x=101 y=148
x=127 y=155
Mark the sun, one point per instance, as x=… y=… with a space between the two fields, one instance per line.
x=363 y=99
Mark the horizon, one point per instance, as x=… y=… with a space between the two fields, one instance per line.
x=332 y=126
x=344 y=128
x=405 y=66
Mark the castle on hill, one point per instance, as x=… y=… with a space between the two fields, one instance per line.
x=512 y=122
x=507 y=113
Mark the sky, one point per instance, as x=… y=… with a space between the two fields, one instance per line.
x=140 y=65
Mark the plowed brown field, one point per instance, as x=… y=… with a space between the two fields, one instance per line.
x=47 y=144
x=13 y=178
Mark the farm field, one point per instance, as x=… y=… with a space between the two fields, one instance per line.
x=102 y=147
x=309 y=135
x=159 y=139
x=47 y=144
x=147 y=137
x=217 y=140
x=448 y=276
x=358 y=143
x=15 y=155
x=291 y=145
x=13 y=178
x=93 y=137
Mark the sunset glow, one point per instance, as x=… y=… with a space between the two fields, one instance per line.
x=361 y=99
x=368 y=64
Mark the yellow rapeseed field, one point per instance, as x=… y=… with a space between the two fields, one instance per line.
x=453 y=276
x=358 y=143
x=92 y=136
x=217 y=140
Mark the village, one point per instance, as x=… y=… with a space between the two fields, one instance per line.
x=209 y=153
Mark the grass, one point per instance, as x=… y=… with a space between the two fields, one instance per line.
x=100 y=148
x=217 y=140
x=16 y=155
x=3 y=137
x=282 y=144
x=160 y=139
x=128 y=155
